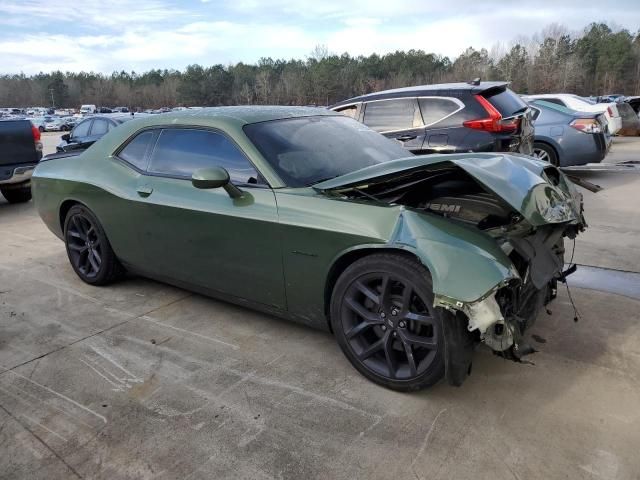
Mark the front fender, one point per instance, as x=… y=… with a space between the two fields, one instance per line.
x=466 y=264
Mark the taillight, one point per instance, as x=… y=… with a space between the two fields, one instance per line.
x=586 y=125
x=494 y=122
x=36 y=133
x=36 y=137
x=610 y=110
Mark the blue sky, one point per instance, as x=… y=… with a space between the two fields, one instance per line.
x=108 y=35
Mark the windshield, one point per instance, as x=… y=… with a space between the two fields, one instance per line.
x=308 y=150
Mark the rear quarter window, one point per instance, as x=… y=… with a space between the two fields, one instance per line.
x=505 y=101
x=136 y=151
x=436 y=109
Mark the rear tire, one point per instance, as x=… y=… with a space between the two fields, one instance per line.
x=546 y=153
x=383 y=318
x=88 y=248
x=16 y=194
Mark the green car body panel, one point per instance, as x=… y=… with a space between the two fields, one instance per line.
x=279 y=248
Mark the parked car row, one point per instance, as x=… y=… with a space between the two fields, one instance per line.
x=562 y=129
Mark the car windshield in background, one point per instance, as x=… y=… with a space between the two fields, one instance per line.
x=506 y=102
x=308 y=150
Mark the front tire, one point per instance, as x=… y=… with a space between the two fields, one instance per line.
x=16 y=194
x=546 y=153
x=383 y=318
x=88 y=248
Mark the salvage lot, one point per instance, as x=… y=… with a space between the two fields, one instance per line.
x=142 y=380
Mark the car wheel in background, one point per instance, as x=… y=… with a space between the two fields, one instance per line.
x=41 y=129
x=383 y=317
x=16 y=193
x=88 y=248
x=546 y=153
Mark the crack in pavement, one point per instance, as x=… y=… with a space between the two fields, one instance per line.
x=131 y=317
x=44 y=444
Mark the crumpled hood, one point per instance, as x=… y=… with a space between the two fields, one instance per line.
x=537 y=190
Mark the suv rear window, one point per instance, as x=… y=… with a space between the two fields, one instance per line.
x=505 y=101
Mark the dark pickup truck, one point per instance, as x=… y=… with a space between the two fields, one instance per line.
x=20 y=152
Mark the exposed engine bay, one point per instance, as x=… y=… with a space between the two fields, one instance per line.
x=534 y=244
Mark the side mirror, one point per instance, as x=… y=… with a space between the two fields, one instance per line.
x=215 y=177
x=66 y=137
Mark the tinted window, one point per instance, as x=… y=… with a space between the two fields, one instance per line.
x=136 y=150
x=100 y=127
x=182 y=151
x=557 y=101
x=307 y=150
x=435 y=109
x=505 y=101
x=535 y=113
x=554 y=106
x=388 y=115
x=82 y=129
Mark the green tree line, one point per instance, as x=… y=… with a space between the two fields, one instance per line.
x=598 y=60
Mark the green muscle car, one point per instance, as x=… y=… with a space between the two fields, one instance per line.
x=307 y=214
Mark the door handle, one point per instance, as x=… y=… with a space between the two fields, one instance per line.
x=144 y=190
x=405 y=138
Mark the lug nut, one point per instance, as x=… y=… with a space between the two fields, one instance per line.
x=383 y=315
x=402 y=324
x=384 y=328
x=394 y=312
x=395 y=334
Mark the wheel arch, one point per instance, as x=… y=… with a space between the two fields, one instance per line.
x=551 y=144
x=342 y=262
x=65 y=206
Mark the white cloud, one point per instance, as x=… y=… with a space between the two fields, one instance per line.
x=99 y=35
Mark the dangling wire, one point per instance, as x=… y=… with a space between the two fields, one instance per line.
x=576 y=313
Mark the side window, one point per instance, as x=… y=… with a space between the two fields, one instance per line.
x=100 y=127
x=135 y=152
x=180 y=152
x=435 y=109
x=82 y=129
x=535 y=113
x=350 y=111
x=557 y=101
x=389 y=115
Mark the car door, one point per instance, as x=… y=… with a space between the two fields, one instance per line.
x=398 y=119
x=205 y=238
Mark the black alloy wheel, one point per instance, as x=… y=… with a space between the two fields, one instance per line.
x=88 y=249
x=385 y=322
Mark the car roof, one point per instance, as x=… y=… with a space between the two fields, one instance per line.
x=426 y=90
x=244 y=114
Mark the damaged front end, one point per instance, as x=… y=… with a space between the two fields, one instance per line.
x=520 y=206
